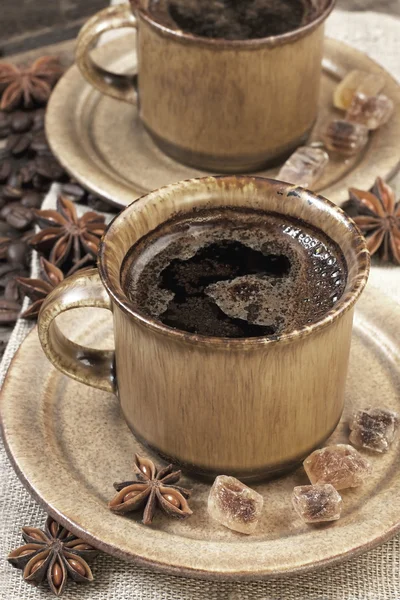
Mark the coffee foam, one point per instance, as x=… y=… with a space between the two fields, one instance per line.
x=314 y=279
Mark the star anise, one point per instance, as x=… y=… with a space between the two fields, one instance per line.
x=150 y=490
x=28 y=86
x=53 y=553
x=378 y=216
x=38 y=289
x=65 y=236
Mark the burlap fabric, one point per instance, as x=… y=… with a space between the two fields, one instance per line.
x=373 y=576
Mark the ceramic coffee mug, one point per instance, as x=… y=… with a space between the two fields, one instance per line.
x=248 y=407
x=223 y=106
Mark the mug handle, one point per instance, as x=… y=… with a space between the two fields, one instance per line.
x=122 y=87
x=87 y=365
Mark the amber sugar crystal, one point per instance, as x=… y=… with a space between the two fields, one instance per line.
x=374 y=429
x=340 y=465
x=304 y=166
x=317 y=503
x=357 y=81
x=235 y=505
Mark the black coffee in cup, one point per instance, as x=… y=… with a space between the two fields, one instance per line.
x=234 y=273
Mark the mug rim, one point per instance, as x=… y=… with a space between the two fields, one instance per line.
x=344 y=304
x=220 y=43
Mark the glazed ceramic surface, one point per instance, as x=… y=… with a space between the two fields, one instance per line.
x=223 y=105
x=104 y=145
x=79 y=444
x=246 y=407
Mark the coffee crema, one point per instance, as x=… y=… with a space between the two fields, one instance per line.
x=234 y=273
x=232 y=19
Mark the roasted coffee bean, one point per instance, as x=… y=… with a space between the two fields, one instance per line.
x=12 y=190
x=39 y=142
x=12 y=274
x=9 y=311
x=29 y=233
x=73 y=191
x=12 y=291
x=38 y=120
x=5 y=269
x=7 y=231
x=45 y=152
x=99 y=204
x=27 y=172
x=11 y=193
x=8 y=272
x=4 y=153
x=49 y=167
x=5 y=169
x=5 y=127
x=18 y=143
x=41 y=184
x=31 y=199
x=19 y=217
x=4 y=243
x=17 y=253
x=6 y=209
x=21 y=122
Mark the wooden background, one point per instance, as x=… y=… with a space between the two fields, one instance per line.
x=27 y=24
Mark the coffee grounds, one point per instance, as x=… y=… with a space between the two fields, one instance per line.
x=232 y=19
x=234 y=273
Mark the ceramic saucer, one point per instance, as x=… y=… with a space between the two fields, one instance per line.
x=69 y=443
x=102 y=143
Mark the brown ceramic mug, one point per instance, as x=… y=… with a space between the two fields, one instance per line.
x=222 y=106
x=248 y=407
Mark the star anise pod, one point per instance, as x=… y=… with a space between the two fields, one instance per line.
x=38 y=289
x=378 y=216
x=53 y=553
x=150 y=490
x=66 y=236
x=28 y=86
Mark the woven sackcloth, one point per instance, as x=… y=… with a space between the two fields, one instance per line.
x=373 y=576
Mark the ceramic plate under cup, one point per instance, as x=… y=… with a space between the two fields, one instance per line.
x=69 y=443
x=103 y=144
